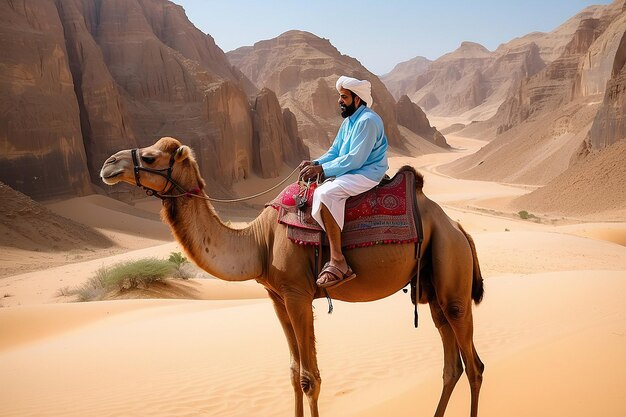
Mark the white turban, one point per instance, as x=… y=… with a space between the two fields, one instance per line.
x=362 y=89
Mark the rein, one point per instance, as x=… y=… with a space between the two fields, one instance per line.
x=196 y=192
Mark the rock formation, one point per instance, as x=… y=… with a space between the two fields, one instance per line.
x=275 y=136
x=400 y=78
x=472 y=81
x=413 y=118
x=302 y=69
x=40 y=132
x=453 y=83
x=552 y=86
x=84 y=78
x=542 y=127
x=609 y=125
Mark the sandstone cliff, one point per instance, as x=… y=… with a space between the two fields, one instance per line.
x=276 y=138
x=411 y=116
x=609 y=125
x=85 y=78
x=552 y=86
x=40 y=131
x=472 y=82
x=400 y=78
x=302 y=69
x=543 y=126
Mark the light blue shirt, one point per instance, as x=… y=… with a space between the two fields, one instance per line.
x=360 y=147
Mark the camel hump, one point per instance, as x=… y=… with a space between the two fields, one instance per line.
x=419 y=178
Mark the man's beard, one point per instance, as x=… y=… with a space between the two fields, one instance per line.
x=347 y=111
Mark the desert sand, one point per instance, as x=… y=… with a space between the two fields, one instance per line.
x=551 y=329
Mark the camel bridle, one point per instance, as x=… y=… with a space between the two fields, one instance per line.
x=163 y=172
x=166 y=173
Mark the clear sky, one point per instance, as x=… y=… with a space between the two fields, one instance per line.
x=381 y=34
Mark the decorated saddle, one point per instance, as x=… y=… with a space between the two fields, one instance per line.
x=385 y=214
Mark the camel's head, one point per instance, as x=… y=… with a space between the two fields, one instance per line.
x=149 y=167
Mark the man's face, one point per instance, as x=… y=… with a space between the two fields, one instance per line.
x=347 y=104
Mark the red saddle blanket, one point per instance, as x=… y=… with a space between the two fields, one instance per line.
x=378 y=216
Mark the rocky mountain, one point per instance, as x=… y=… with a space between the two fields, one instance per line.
x=413 y=118
x=302 y=69
x=85 y=78
x=40 y=130
x=542 y=127
x=400 y=78
x=595 y=181
x=609 y=125
x=472 y=81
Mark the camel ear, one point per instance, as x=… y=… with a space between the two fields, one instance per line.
x=182 y=153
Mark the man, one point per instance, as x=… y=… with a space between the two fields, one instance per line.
x=357 y=160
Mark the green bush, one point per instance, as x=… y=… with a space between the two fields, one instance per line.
x=528 y=216
x=177 y=259
x=93 y=289
x=126 y=276
x=136 y=274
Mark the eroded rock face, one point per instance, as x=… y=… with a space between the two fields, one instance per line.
x=105 y=122
x=413 y=118
x=86 y=78
x=595 y=67
x=609 y=125
x=399 y=79
x=302 y=69
x=473 y=81
x=551 y=87
x=40 y=132
x=274 y=139
x=555 y=119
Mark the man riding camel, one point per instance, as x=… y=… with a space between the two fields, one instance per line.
x=356 y=162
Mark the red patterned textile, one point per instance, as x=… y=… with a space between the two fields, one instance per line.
x=378 y=216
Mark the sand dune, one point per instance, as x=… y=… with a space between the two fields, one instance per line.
x=551 y=328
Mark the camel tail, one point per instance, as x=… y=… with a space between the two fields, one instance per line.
x=478 y=289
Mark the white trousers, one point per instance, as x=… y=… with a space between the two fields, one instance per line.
x=334 y=193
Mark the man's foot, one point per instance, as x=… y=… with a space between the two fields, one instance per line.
x=331 y=276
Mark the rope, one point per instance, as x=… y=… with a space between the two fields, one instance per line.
x=234 y=200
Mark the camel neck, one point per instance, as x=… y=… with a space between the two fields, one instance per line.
x=227 y=253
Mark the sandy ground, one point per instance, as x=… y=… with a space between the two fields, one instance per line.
x=551 y=329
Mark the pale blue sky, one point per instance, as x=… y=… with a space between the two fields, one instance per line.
x=381 y=34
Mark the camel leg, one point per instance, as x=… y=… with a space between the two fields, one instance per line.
x=300 y=310
x=452 y=367
x=459 y=316
x=283 y=317
x=453 y=286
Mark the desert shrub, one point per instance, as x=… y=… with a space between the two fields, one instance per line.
x=135 y=274
x=177 y=259
x=94 y=289
x=180 y=261
x=126 y=276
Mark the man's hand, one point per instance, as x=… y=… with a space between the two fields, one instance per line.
x=309 y=172
x=304 y=164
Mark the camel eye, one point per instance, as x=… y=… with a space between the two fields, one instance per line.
x=148 y=159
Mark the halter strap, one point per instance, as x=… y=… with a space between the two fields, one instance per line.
x=164 y=172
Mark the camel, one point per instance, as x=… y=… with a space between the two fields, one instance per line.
x=449 y=279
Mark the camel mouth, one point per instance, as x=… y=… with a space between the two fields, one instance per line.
x=110 y=179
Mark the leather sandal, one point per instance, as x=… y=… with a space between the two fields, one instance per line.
x=331 y=276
